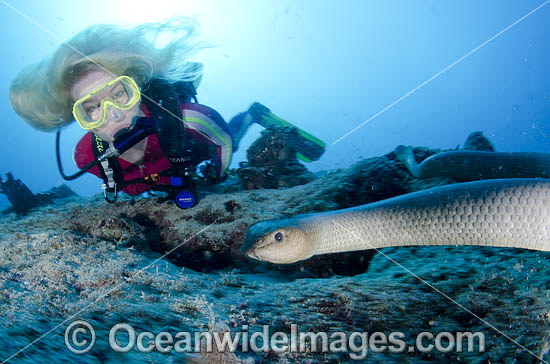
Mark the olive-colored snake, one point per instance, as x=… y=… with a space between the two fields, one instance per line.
x=512 y=212
x=471 y=165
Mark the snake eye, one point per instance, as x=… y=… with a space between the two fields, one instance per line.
x=279 y=237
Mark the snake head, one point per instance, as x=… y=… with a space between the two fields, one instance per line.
x=276 y=241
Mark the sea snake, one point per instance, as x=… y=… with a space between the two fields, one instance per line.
x=497 y=212
x=471 y=165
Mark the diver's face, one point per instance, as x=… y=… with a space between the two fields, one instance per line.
x=116 y=119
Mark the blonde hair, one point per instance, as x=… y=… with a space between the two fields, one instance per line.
x=40 y=94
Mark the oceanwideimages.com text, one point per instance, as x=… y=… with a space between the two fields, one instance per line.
x=80 y=338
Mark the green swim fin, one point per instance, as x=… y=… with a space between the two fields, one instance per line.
x=308 y=147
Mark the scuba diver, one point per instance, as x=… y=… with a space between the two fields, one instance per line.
x=146 y=130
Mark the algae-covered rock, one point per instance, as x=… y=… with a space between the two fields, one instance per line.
x=22 y=199
x=161 y=269
x=272 y=161
x=20 y=196
x=478 y=141
x=223 y=218
x=48 y=276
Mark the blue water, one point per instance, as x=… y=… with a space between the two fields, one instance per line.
x=325 y=66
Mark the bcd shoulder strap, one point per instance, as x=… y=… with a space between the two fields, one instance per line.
x=163 y=99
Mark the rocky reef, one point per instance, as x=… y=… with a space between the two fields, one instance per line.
x=22 y=199
x=157 y=268
x=272 y=161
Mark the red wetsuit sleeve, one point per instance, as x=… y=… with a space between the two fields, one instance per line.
x=83 y=154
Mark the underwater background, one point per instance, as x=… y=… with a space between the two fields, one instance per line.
x=419 y=73
x=325 y=66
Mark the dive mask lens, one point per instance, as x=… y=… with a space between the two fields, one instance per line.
x=90 y=111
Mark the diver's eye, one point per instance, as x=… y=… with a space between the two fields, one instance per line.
x=90 y=109
x=120 y=95
x=279 y=237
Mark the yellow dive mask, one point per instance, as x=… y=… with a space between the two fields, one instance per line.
x=90 y=111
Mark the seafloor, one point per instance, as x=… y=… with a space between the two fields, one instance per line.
x=82 y=258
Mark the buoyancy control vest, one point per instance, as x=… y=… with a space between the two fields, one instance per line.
x=162 y=100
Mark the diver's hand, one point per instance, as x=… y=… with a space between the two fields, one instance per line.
x=204 y=169
x=207 y=173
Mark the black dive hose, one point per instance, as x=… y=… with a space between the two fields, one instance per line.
x=86 y=168
x=124 y=140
